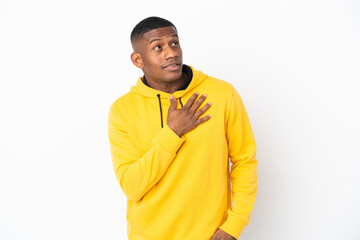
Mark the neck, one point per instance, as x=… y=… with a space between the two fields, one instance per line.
x=169 y=87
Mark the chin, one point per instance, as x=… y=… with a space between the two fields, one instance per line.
x=173 y=77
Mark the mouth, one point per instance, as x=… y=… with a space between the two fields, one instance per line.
x=172 y=67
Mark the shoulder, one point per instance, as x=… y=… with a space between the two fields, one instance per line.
x=121 y=100
x=123 y=103
x=218 y=83
x=221 y=88
x=211 y=82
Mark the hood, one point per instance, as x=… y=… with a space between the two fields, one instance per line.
x=142 y=89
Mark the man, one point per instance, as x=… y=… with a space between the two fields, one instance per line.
x=171 y=161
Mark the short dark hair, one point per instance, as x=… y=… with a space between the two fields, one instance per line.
x=147 y=25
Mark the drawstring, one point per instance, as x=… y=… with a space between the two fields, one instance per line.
x=180 y=102
x=161 y=116
x=158 y=95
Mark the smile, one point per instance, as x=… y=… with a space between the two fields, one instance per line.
x=173 y=67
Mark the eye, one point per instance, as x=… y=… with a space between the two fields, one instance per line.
x=157 y=47
x=175 y=43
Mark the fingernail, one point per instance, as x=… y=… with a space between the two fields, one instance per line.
x=204 y=95
x=209 y=103
x=196 y=93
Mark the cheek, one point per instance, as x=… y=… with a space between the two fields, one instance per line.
x=152 y=60
x=180 y=52
x=147 y=62
x=152 y=65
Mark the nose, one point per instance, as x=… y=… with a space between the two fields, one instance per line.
x=169 y=53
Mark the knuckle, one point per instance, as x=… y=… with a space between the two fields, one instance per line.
x=198 y=114
x=205 y=109
x=201 y=99
x=195 y=106
x=202 y=110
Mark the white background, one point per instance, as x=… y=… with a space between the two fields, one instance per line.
x=296 y=65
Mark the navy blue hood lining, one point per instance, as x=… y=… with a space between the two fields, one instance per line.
x=186 y=69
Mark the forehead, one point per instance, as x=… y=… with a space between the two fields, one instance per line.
x=160 y=33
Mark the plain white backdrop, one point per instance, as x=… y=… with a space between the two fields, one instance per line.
x=296 y=65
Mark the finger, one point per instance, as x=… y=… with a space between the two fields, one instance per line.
x=202 y=120
x=197 y=104
x=215 y=237
x=173 y=103
x=202 y=110
x=191 y=101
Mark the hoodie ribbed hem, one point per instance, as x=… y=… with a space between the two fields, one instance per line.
x=233 y=225
x=168 y=140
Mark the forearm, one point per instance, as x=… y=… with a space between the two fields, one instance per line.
x=244 y=189
x=138 y=175
x=244 y=185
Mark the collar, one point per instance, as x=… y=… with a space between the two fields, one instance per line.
x=187 y=70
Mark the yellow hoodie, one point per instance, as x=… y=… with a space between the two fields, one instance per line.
x=178 y=188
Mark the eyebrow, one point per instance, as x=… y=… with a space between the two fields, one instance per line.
x=156 y=39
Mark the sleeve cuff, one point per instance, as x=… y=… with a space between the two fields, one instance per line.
x=168 y=140
x=233 y=225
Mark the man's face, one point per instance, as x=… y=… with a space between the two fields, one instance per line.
x=160 y=55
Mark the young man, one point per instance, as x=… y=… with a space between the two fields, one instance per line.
x=170 y=148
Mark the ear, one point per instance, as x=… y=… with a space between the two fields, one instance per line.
x=137 y=60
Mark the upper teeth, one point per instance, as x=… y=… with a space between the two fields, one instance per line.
x=172 y=65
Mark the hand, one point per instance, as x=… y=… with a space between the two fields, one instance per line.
x=185 y=119
x=222 y=235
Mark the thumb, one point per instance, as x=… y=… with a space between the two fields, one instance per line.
x=173 y=103
x=214 y=236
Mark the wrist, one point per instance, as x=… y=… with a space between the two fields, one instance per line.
x=176 y=131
